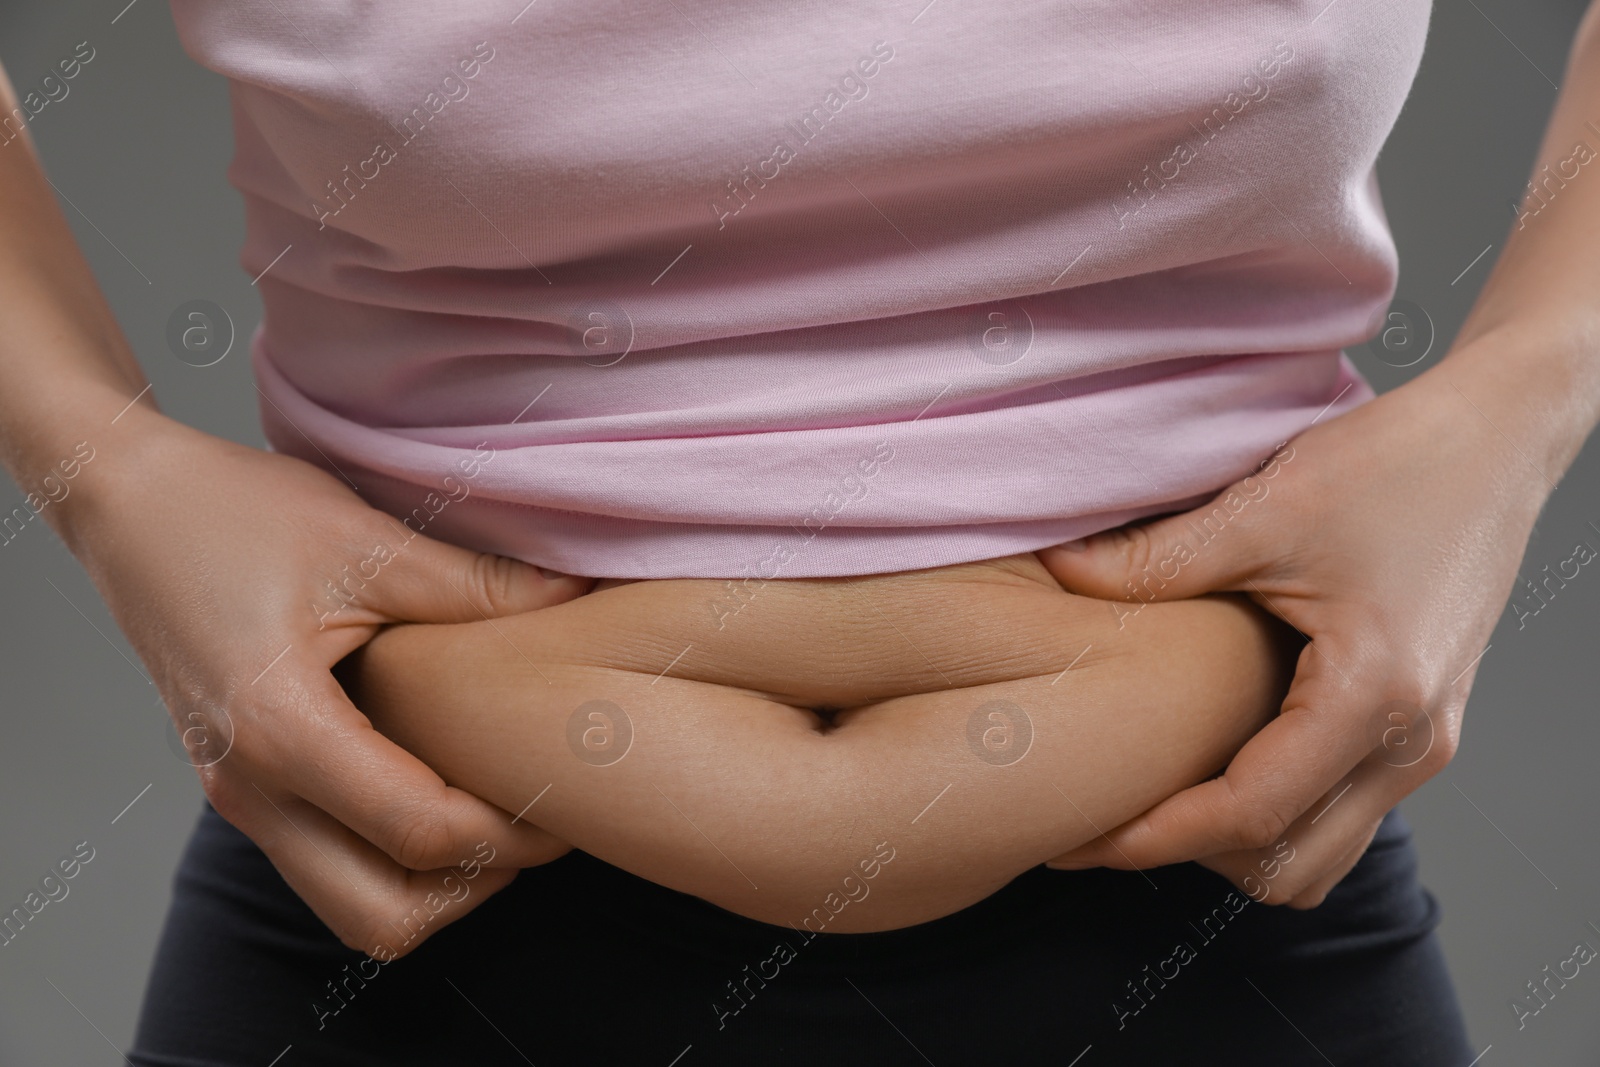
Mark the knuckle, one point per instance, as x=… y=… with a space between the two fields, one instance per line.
x=1258 y=825
x=1438 y=758
x=421 y=842
x=365 y=925
x=1289 y=888
x=222 y=793
x=1445 y=746
x=493 y=580
x=1138 y=548
x=369 y=936
x=1405 y=669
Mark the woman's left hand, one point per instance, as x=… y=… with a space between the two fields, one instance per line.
x=1390 y=537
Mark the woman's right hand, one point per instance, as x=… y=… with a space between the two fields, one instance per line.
x=218 y=561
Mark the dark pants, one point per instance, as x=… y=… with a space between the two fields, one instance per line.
x=578 y=962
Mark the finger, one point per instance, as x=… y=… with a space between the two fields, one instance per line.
x=413 y=578
x=335 y=760
x=1252 y=872
x=1346 y=830
x=1321 y=847
x=369 y=902
x=1213 y=547
x=1330 y=839
x=1334 y=835
x=1273 y=780
x=1315 y=894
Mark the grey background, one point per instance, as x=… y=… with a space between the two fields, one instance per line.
x=140 y=147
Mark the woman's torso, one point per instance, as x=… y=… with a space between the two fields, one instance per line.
x=706 y=290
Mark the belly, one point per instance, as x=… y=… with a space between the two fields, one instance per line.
x=846 y=643
x=755 y=745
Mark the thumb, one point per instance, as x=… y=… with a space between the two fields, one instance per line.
x=425 y=580
x=1173 y=558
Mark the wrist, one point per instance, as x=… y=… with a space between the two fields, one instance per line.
x=1538 y=386
x=69 y=473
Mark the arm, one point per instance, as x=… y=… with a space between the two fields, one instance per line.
x=67 y=369
x=1394 y=542
x=1529 y=352
x=209 y=555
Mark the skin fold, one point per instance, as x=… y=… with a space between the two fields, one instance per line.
x=757 y=765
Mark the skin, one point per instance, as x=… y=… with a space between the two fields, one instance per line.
x=733 y=788
x=1391 y=541
x=358 y=826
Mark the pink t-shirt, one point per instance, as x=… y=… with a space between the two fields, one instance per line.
x=704 y=289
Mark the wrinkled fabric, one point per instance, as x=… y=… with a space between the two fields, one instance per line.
x=710 y=290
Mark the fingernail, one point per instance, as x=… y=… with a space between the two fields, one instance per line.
x=554 y=576
x=1076 y=546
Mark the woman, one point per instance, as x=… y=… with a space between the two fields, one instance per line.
x=824 y=376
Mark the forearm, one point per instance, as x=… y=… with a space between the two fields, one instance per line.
x=1529 y=352
x=65 y=368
